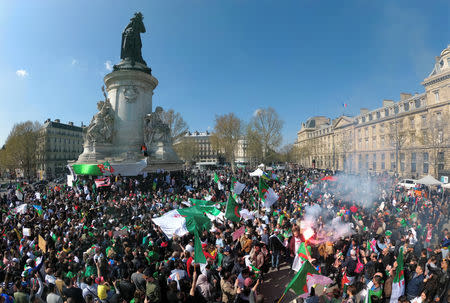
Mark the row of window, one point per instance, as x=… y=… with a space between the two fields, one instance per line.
x=417 y=103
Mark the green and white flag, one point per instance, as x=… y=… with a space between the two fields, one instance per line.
x=179 y=222
x=232 y=210
x=267 y=194
x=398 y=285
x=306 y=278
x=216 y=178
x=236 y=187
x=199 y=257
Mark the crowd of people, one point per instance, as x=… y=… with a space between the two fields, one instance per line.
x=81 y=244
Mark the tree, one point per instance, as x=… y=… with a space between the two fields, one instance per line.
x=398 y=137
x=226 y=135
x=287 y=153
x=20 y=147
x=187 y=149
x=178 y=127
x=254 y=146
x=436 y=139
x=267 y=125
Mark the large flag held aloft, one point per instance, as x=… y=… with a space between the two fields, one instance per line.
x=236 y=187
x=232 y=210
x=267 y=194
x=398 y=285
x=305 y=278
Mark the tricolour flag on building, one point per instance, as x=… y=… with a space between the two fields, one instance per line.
x=306 y=278
x=232 y=210
x=398 y=285
x=267 y=194
x=236 y=186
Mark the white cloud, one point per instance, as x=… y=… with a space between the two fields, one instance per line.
x=21 y=73
x=109 y=65
x=74 y=61
x=256 y=112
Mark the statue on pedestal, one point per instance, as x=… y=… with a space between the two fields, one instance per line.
x=131 y=40
x=100 y=130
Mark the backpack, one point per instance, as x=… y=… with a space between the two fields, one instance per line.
x=359 y=265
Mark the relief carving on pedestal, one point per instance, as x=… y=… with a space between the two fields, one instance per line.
x=130 y=93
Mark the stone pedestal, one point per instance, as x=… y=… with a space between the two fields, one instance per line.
x=130 y=93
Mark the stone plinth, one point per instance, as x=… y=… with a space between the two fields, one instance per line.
x=130 y=94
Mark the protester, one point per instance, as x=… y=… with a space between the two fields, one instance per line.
x=81 y=243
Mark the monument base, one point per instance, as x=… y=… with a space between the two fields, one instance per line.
x=156 y=166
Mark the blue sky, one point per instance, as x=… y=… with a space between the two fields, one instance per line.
x=303 y=57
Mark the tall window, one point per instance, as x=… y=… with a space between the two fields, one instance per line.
x=441 y=159
x=413 y=162
x=392 y=161
x=382 y=141
x=367 y=161
x=436 y=96
x=367 y=143
x=374 y=161
x=383 y=156
x=402 y=162
x=423 y=121
x=374 y=142
x=425 y=163
x=359 y=162
x=412 y=125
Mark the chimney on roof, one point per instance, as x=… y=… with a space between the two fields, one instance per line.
x=404 y=96
x=387 y=103
x=363 y=111
x=70 y=123
x=57 y=120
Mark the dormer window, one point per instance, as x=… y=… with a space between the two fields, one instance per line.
x=406 y=107
x=386 y=112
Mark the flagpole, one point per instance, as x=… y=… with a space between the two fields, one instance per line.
x=281 y=297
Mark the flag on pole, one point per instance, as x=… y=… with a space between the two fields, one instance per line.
x=301 y=257
x=216 y=178
x=232 y=210
x=179 y=222
x=199 y=257
x=267 y=194
x=305 y=278
x=38 y=209
x=236 y=186
x=398 y=285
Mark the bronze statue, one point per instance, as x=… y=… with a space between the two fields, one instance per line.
x=131 y=40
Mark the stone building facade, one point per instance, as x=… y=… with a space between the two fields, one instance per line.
x=57 y=144
x=409 y=137
x=204 y=153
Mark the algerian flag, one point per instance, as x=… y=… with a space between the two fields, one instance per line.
x=199 y=256
x=236 y=187
x=301 y=257
x=398 y=285
x=197 y=202
x=19 y=192
x=267 y=194
x=232 y=210
x=305 y=278
x=21 y=209
x=372 y=291
x=216 y=178
x=179 y=222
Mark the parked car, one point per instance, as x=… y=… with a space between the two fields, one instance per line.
x=407 y=183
